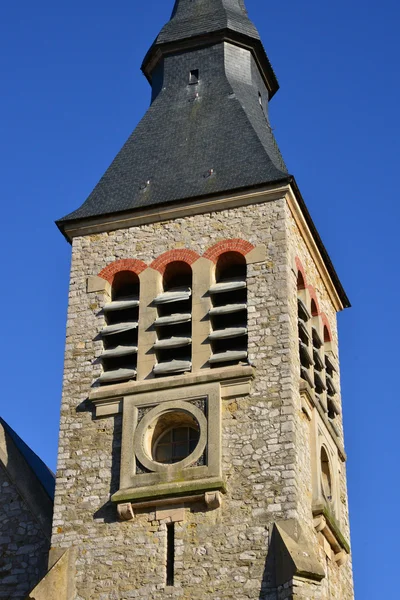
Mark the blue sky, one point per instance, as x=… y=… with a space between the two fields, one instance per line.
x=72 y=92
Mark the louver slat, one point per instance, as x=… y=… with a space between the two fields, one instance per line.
x=305 y=355
x=330 y=364
x=174 y=319
x=119 y=351
x=318 y=361
x=229 y=332
x=302 y=309
x=229 y=308
x=177 y=295
x=319 y=384
x=330 y=385
x=229 y=355
x=119 y=328
x=334 y=406
x=117 y=375
x=303 y=332
x=317 y=341
x=306 y=377
x=173 y=342
x=228 y=286
x=174 y=366
x=121 y=305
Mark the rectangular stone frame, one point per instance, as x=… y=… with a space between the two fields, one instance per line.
x=191 y=480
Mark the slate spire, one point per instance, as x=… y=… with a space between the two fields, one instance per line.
x=207 y=129
x=194 y=21
x=191 y=18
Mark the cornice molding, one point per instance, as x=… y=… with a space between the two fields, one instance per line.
x=204 y=205
x=312 y=247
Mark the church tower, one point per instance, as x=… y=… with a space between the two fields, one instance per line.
x=201 y=451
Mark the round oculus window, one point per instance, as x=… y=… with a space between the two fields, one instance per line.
x=175 y=445
x=171 y=435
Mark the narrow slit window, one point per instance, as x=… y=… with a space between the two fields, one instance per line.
x=260 y=101
x=170 y=566
x=120 y=334
x=194 y=77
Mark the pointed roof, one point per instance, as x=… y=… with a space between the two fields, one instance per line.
x=29 y=475
x=191 y=19
x=208 y=21
x=37 y=466
x=198 y=138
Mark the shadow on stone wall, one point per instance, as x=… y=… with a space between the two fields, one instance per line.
x=108 y=511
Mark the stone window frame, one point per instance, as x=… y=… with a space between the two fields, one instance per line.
x=327 y=513
x=166 y=481
x=113 y=342
x=234 y=344
x=143 y=450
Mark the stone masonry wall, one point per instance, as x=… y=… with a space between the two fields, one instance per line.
x=23 y=546
x=338 y=583
x=220 y=554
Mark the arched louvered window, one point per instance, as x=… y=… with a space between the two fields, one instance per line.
x=318 y=355
x=305 y=334
x=330 y=370
x=229 y=311
x=120 y=335
x=174 y=322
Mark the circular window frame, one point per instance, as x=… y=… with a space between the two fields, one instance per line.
x=148 y=422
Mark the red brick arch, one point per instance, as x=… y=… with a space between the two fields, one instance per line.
x=125 y=264
x=325 y=322
x=313 y=296
x=233 y=245
x=181 y=254
x=300 y=269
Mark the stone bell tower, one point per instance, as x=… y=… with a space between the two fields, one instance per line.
x=201 y=449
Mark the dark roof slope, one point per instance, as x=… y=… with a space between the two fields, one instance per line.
x=42 y=472
x=194 y=140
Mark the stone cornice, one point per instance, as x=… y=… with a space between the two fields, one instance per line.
x=235 y=382
x=312 y=247
x=220 y=202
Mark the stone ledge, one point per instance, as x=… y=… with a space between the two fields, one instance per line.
x=167 y=492
x=308 y=392
x=171 y=509
x=235 y=382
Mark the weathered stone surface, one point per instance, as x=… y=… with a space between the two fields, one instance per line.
x=59 y=582
x=219 y=554
x=23 y=545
